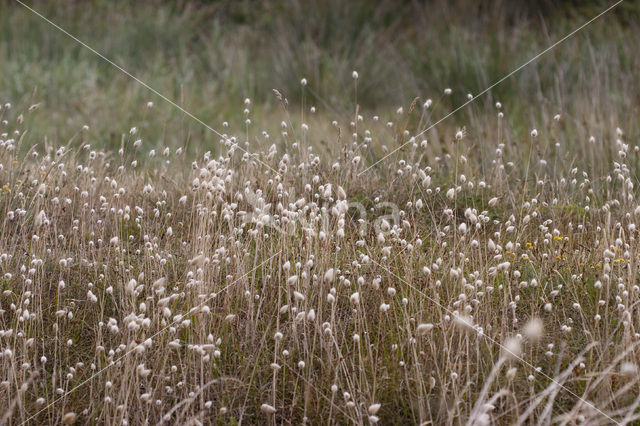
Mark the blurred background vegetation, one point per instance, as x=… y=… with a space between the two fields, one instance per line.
x=210 y=55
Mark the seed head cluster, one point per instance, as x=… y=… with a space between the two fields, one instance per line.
x=473 y=276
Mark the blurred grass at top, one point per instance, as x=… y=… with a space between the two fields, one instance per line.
x=209 y=56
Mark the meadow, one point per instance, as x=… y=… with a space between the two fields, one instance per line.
x=301 y=231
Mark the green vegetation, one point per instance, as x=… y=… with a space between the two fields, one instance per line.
x=208 y=57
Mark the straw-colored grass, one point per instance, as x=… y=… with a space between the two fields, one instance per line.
x=481 y=274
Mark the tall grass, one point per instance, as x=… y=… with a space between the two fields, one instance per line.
x=486 y=273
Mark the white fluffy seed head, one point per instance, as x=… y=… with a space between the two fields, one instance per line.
x=464 y=323
x=40 y=219
x=628 y=369
x=69 y=418
x=534 y=329
x=160 y=282
x=373 y=409
x=267 y=409
x=511 y=348
x=451 y=193
x=424 y=328
x=329 y=275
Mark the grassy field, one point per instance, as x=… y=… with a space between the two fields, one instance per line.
x=323 y=252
